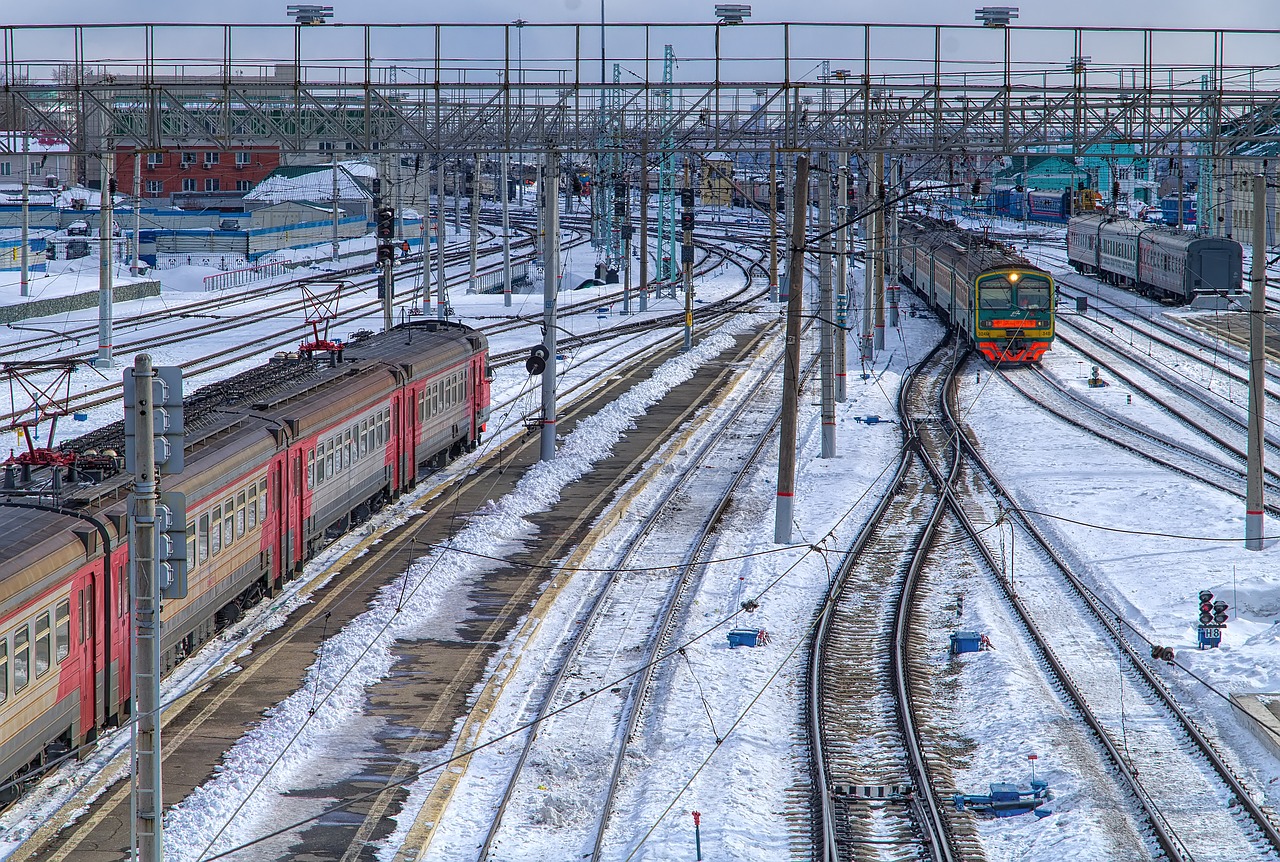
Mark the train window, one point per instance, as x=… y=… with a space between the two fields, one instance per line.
x=122 y=583
x=228 y=521
x=311 y=469
x=4 y=670
x=21 y=658
x=994 y=296
x=262 y=501
x=1033 y=294
x=62 y=630
x=202 y=538
x=80 y=602
x=215 y=533
x=346 y=447
x=240 y=515
x=328 y=459
x=191 y=548
x=252 y=511
x=364 y=437
x=43 y=644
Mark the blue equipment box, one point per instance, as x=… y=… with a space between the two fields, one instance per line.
x=965 y=642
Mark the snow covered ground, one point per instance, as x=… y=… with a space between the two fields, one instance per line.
x=719 y=739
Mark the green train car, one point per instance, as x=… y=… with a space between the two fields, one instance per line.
x=998 y=300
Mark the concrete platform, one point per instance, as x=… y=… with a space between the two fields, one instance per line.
x=1261 y=716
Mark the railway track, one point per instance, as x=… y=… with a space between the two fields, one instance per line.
x=285 y=655
x=1190 y=795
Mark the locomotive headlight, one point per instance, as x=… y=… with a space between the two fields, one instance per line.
x=1013 y=278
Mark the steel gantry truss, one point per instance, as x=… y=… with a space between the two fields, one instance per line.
x=911 y=89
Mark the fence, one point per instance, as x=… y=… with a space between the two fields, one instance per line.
x=493 y=282
x=238 y=277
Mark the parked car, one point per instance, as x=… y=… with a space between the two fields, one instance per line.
x=78 y=228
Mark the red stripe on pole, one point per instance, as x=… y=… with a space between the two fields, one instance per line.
x=786 y=493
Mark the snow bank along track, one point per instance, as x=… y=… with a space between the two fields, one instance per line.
x=443 y=669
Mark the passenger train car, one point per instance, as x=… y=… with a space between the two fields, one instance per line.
x=998 y=301
x=1154 y=259
x=278 y=459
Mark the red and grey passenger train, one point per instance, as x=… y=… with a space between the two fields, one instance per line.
x=278 y=459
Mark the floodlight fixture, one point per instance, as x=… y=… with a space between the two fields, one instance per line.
x=996 y=16
x=309 y=13
x=732 y=13
x=1078 y=64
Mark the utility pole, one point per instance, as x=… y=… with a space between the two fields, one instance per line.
x=334 y=241
x=868 y=270
x=784 y=513
x=25 y=276
x=1254 y=513
x=842 y=279
x=550 y=191
x=891 y=250
x=105 y=325
x=506 y=234
x=146 y=671
x=879 y=241
x=826 y=310
x=441 y=232
x=644 y=225
x=137 y=211
x=457 y=196
x=686 y=252
x=773 y=222
x=475 y=221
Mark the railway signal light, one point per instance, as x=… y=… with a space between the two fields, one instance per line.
x=977 y=187
x=171 y=545
x=1206 y=607
x=686 y=198
x=1219 y=612
x=386 y=225
x=166 y=414
x=537 y=361
x=686 y=220
x=386 y=254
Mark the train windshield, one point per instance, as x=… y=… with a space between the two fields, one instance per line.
x=1034 y=294
x=995 y=294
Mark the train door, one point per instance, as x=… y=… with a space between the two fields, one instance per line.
x=1211 y=270
x=295 y=508
x=279 y=547
x=401 y=444
x=96 y=648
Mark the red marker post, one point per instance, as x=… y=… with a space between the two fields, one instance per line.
x=1033 y=758
x=697 y=834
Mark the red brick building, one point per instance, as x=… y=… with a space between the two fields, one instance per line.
x=202 y=170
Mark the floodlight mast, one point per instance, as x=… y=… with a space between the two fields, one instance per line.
x=309 y=13
x=996 y=16
x=732 y=13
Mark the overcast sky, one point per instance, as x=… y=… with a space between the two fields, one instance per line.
x=1244 y=14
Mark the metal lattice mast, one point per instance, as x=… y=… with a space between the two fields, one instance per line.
x=1206 y=200
x=668 y=260
x=612 y=219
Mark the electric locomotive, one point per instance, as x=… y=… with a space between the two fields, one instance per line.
x=998 y=300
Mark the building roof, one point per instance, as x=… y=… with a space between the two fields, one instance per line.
x=308 y=183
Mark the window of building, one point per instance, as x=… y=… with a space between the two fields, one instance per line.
x=211 y=158
x=6 y=169
x=242 y=158
x=325 y=146
x=243 y=185
x=62 y=630
x=188 y=185
x=211 y=185
x=155 y=159
x=350 y=147
x=21 y=658
x=155 y=187
x=188 y=158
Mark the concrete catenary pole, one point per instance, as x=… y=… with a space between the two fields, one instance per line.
x=842 y=280
x=334 y=240
x=506 y=234
x=105 y=325
x=785 y=511
x=475 y=223
x=24 y=278
x=442 y=231
x=147 y=801
x=551 y=194
x=1253 y=523
x=878 y=230
x=773 y=222
x=644 y=225
x=686 y=255
x=868 y=268
x=826 y=310
x=137 y=212
x=891 y=252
